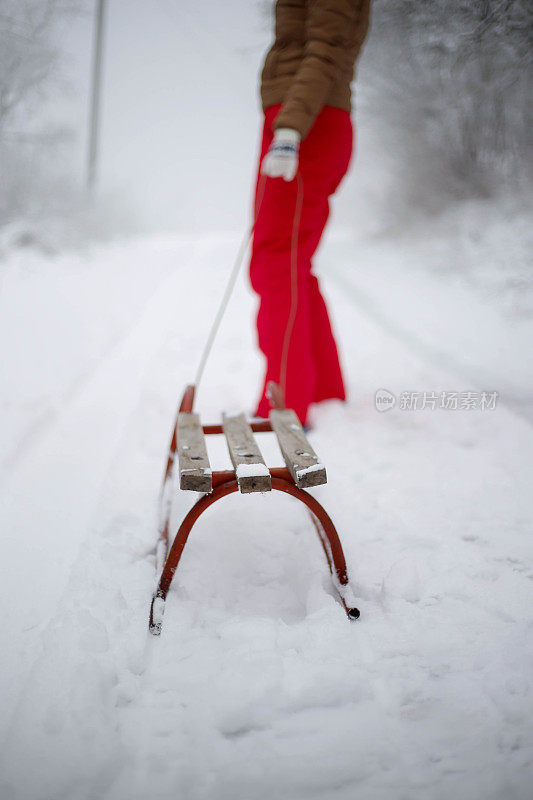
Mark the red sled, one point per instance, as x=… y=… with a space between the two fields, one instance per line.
x=302 y=470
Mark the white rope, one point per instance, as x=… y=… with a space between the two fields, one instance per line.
x=233 y=278
x=229 y=288
x=294 y=285
x=222 y=308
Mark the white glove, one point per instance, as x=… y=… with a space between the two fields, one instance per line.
x=282 y=157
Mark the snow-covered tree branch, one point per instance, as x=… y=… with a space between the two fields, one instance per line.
x=452 y=83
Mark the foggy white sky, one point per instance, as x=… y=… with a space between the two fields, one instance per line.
x=181 y=114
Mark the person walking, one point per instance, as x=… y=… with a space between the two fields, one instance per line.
x=306 y=149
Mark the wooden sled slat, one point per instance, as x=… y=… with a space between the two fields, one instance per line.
x=250 y=468
x=194 y=467
x=300 y=458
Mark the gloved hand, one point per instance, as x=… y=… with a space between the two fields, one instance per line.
x=282 y=157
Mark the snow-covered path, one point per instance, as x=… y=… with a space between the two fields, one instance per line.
x=259 y=686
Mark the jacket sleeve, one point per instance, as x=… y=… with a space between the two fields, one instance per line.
x=329 y=29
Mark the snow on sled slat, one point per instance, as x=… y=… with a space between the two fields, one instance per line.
x=250 y=468
x=300 y=458
x=195 y=470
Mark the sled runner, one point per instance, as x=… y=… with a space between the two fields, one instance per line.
x=302 y=470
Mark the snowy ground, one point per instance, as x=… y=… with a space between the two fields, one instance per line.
x=259 y=686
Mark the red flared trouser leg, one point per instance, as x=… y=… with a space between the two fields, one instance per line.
x=313 y=368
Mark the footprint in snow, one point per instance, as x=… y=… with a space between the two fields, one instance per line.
x=93 y=637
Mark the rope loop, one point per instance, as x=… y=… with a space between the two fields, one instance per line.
x=234 y=274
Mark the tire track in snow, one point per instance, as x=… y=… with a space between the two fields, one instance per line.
x=114 y=391
x=54 y=491
x=30 y=438
x=480 y=378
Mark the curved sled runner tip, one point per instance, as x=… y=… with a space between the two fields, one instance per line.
x=228 y=484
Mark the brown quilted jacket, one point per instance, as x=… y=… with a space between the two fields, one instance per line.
x=311 y=63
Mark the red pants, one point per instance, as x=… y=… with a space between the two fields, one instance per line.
x=313 y=371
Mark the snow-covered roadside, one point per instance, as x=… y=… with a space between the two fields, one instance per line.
x=259 y=686
x=458 y=294
x=49 y=492
x=59 y=316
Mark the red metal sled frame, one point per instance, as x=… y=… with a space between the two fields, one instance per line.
x=225 y=483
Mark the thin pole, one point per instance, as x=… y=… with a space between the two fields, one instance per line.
x=94 y=117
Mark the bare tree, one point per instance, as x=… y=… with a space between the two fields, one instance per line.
x=452 y=82
x=30 y=70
